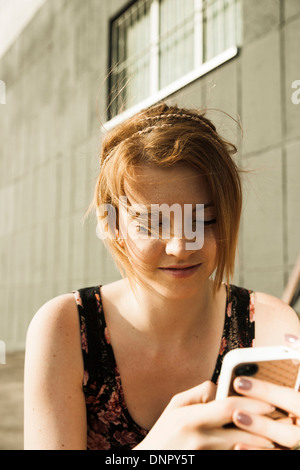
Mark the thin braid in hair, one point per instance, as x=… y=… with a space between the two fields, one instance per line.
x=136 y=134
x=192 y=117
x=148 y=129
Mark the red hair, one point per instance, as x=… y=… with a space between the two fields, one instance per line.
x=163 y=136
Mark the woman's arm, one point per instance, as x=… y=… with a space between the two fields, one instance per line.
x=273 y=320
x=54 y=405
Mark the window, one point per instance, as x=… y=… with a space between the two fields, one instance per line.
x=157 y=43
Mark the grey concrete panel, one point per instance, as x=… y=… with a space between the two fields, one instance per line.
x=262 y=215
x=293 y=198
x=259 y=18
x=291 y=74
x=291 y=8
x=261 y=93
x=265 y=280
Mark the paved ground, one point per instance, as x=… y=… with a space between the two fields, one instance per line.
x=11 y=402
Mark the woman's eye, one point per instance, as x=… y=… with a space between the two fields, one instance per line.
x=141 y=228
x=145 y=229
x=206 y=222
x=210 y=222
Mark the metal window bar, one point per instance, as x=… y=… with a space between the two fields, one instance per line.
x=221 y=26
x=130 y=62
x=176 y=39
x=154 y=46
x=155 y=42
x=198 y=33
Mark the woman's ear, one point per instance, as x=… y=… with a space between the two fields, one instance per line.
x=119 y=240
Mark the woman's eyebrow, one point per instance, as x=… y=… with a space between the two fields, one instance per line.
x=139 y=212
x=209 y=204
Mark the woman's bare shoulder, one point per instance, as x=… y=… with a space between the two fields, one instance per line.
x=54 y=331
x=273 y=320
x=56 y=314
x=54 y=407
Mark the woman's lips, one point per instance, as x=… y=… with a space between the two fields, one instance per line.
x=181 y=271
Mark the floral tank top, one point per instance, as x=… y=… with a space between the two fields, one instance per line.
x=109 y=424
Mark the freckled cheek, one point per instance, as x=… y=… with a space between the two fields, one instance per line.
x=210 y=247
x=148 y=251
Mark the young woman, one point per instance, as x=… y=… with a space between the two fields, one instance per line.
x=134 y=364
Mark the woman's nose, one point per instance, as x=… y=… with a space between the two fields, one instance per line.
x=178 y=246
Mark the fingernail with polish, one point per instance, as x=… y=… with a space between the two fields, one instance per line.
x=291 y=338
x=241 y=447
x=244 y=419
x=244 y=384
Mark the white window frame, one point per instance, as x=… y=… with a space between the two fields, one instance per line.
x=200 y=69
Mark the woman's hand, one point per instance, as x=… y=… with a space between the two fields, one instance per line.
x=283 y=432
x=193 y=420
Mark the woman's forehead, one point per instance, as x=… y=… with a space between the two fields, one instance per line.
x=179 y=184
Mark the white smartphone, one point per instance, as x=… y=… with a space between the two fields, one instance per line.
x=276 y=364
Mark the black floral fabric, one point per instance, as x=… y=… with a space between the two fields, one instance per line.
x=109 y=424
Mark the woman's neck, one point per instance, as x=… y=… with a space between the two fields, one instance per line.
x=174 y=319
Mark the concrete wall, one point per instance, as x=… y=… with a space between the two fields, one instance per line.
x=49 y=144
x=49 y=141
